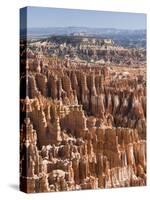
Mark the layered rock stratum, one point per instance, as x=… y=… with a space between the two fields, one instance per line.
x=83 y=126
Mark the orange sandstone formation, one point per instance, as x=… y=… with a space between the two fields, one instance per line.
x=82 y=126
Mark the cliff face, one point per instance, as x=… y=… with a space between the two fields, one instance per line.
x=85 y=126
x=93 y=49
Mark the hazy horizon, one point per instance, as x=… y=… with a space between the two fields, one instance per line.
x=44 y=17
x=86 y=27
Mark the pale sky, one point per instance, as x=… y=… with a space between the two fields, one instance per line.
x=41 y=17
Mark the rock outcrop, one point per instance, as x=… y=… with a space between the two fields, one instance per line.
x=82 y=126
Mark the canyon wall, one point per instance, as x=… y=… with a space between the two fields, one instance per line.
x=84 y=126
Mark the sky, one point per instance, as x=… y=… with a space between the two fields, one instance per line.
x=41 y=17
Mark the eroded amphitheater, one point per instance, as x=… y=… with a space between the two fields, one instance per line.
x=83 y=124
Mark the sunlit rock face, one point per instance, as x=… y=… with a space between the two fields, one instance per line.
x=83 y=126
